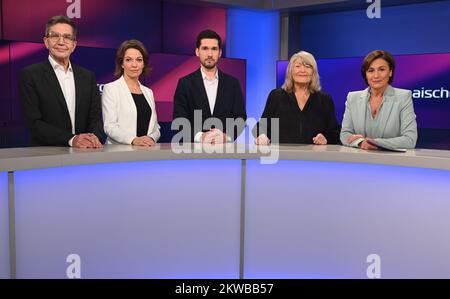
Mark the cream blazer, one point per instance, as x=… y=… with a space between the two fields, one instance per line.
x=120 y=114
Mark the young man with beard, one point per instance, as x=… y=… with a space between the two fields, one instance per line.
x=213 y=94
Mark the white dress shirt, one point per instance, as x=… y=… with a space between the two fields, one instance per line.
x=211 y=92
x=211 y=88
x=67 y=82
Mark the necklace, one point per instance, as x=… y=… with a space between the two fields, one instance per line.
x=375 y=104
x=134 y=88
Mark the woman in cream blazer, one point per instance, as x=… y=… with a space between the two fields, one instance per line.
x=120 y=109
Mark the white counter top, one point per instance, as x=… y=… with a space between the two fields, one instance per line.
x=13 y=159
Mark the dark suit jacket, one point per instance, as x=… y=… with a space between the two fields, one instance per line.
x=191 y=95
x=45 y=108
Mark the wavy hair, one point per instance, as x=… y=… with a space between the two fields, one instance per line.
x=306 y=58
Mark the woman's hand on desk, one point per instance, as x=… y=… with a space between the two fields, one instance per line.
x=262 y=140
x=367 y=146
x=354 y=137
x=143 y=141
x=319 y=139
x=363 y=144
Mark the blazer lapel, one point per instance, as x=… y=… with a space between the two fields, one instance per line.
x=360 y=113
x=78 y=87
x=54 y=86
x=200 y=86
x=387 y=107
x=220 y=93
x=126 y=96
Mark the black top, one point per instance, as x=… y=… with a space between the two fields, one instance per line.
x=144 y=113
x=296 y=125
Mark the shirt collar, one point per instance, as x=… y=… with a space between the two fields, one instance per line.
x=205 y=77
x=56 y=65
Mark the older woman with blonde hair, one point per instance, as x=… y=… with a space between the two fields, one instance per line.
x=305 y=113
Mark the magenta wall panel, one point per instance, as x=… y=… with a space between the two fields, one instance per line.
x=1 y=20
x=183 y=22
x=22 y=55
x=102 y=23
x=5 y=85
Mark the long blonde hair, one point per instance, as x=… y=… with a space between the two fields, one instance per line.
x=306 y=58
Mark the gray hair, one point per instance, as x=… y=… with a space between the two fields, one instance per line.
x=306 y=58
x=60 y=20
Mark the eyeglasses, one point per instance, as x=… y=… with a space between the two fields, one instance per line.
x=55 y=37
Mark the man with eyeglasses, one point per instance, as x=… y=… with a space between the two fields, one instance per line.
x=60 y=101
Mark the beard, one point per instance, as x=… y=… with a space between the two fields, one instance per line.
x=209 y=64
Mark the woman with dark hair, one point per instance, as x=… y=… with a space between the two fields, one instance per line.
x=129 y=112
x=381 y=115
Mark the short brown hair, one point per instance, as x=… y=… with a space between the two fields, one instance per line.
x=131 y=44
x=372 y=56
x=61 y=20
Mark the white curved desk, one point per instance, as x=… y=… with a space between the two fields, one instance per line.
x=218 y=212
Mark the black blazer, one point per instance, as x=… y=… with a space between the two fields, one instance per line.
x=300 y=126
x=45 y=108
x=191 y=95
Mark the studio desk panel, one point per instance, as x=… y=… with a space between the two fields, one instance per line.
x=233 y=211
